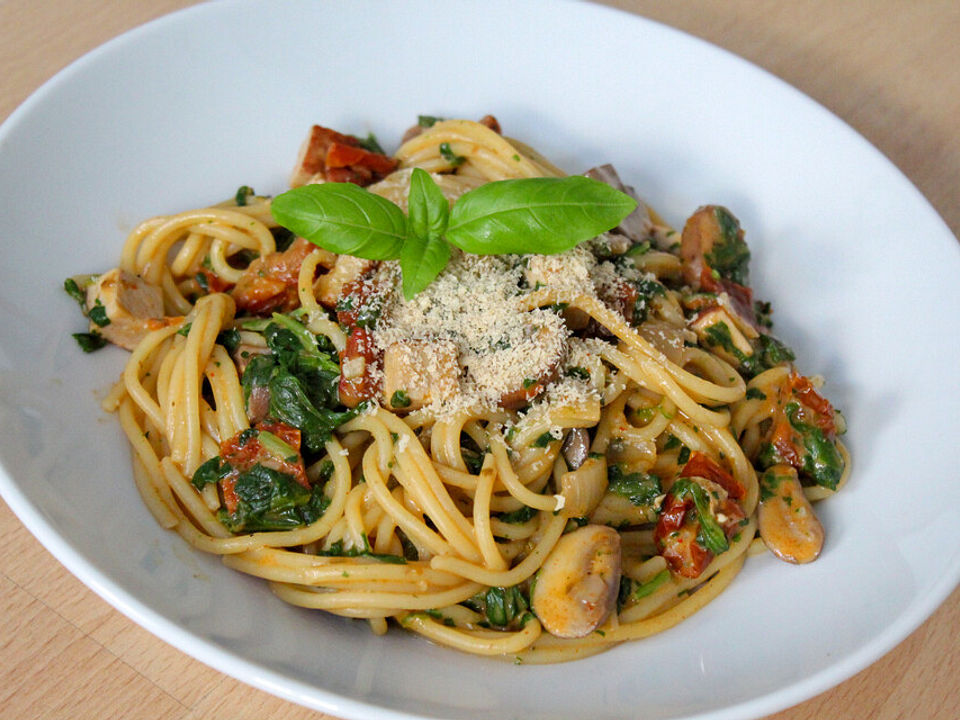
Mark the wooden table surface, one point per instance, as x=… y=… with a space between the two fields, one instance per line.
x=889 y=68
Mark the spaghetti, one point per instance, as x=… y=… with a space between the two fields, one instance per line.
x=537 y=457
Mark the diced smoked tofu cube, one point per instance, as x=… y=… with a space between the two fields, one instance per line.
x=123 y=308
x=419 y=372
x=346 y=269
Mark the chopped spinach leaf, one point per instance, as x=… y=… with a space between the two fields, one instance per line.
x=89 y=341
x=98 y=314
x=282 y=237
x=518 y=517
x=472 y=459
x=542 y=441
x=641 y=489
x=337 y=550
x=371 y=144
x=647 y=290
x=409 y=549
x=73 y=290
x=729 y=256
x=641 y=248
x=652 y=585
x=267 y=500
x=711 y=535
x=400 y=399
x=672 y=442
x=450 y=156
x=229 y=339
x=301 y=380
x=501 y=605
x=210 y=472
x=768 y=352
x=762 y=311
x=243 y=192
x=822 y=461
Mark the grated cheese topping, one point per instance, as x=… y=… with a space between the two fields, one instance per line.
x=475 y=304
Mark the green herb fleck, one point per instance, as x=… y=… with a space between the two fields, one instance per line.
x=98 y=314
x=400 y=399
x=542 y=441
x=89 y=341
x=243 y=193
x=450 y=156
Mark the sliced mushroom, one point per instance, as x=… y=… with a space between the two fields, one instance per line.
x=576 y=447
x=668 y=338
x=787 y=523
x=577 y=587
x=635 y=226
x=584 y=488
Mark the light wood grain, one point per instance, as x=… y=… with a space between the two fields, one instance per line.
x=889 y=68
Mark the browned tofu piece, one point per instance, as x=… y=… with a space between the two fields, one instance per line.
x=132 y=308
x=419 y=372
x=345 y=270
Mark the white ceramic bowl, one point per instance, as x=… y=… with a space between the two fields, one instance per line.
x=862 y=274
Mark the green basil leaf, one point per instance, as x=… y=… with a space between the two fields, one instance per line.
x=543 y=215
x=343 y=218
x=427 y=208
x=421 y=260
x=425 y=253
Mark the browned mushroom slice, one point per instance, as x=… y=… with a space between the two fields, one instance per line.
x=786 y=521
x=576 y=447
x=584 y=487
x=635 y=226
x=577 y=586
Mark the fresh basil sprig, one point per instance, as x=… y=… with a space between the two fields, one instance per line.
x=425 y=253
x=535 y=215
x=531 y=215
x=343 y=218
